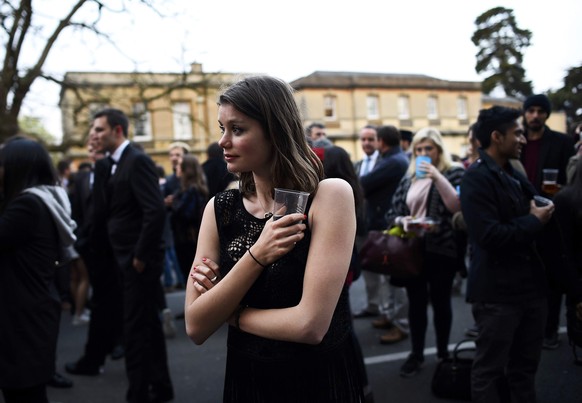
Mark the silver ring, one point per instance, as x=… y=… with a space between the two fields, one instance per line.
x=213 y=279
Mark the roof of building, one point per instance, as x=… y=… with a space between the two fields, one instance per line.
x=505 y=101
x=335 y=79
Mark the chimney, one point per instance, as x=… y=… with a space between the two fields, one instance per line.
x=196 y=67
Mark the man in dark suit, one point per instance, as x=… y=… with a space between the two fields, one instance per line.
x=379 y=185
x=546 y=149
x=105 y=326
x=374 y=281
x=130 y=206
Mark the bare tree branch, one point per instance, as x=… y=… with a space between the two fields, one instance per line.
x=17 y=26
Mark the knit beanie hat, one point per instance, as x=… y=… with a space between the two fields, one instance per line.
x=538 y=100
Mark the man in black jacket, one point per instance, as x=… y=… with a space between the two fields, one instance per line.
x=129 y=204
x=546 y=149
x=507 y=282
x=105 y=327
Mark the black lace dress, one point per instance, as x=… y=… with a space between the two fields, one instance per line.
x=266 y=370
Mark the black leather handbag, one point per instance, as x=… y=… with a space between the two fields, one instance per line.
x=452 y=377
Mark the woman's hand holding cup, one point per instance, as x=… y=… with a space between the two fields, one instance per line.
x=279 y=237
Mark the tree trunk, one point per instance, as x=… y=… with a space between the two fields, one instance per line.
x=8 y=125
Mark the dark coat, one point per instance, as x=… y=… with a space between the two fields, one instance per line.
x=505 y=265
x=442 y=241
x=555 y=151
x=29 y=302
x=172 y=185
x=82 y=209
x=568 y=217
x=217 y=175
x=187 y=209
x=380 y=184
x=131 y=205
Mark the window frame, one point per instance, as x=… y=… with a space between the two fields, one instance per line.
x=179 y=119
x=330 y=107
x=373 y=107
x=142 y=118
x=403 y=107
x=432 y=107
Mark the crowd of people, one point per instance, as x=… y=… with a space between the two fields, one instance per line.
x=126 y=233
x=520 y=261
x=92 y=242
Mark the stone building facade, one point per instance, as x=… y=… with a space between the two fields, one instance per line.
x=166 y=107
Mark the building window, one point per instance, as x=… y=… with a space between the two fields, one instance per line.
x=182 y=117
x=372 y=107
x=403 y=107
x=142 y=122
x=462 y=108
x=329 y=107
x=432 y=108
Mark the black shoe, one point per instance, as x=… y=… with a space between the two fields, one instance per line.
x=117 y=353
x=59 y=381
x=411 y=366
x=81 y=368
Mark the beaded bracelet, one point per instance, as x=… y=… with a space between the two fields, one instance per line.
x=255 y=259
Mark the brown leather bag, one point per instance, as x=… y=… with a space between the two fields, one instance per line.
x=393 y=255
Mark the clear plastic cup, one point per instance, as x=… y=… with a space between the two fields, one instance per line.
x=288 y=202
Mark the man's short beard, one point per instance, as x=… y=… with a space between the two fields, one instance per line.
x=535 y=125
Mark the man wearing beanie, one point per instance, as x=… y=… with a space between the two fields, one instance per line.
x=546 y=149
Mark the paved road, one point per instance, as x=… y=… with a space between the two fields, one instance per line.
x=197 y=371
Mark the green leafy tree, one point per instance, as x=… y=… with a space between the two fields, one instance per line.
x=33 y=127
x=501 y=44
x=569 y=97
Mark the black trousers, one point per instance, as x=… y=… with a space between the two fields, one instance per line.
x=106 y=325
x=435 y=287
x=509 y=347
x=146 y=360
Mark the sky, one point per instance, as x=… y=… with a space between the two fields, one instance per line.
x=291 y=40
